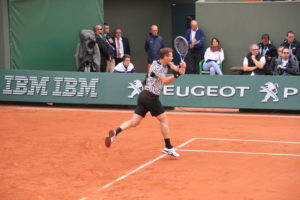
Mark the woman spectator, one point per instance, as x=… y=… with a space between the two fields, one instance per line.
x=213 y=57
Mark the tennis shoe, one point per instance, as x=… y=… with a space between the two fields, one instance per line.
x=171 y=152
x=111 y=137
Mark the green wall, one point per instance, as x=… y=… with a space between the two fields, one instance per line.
x=4 y=36
x=238 y=25
x=44 y=33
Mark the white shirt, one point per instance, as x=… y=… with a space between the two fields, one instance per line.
x=121 y=47
x=193 y=34
x=120 y=68
x=214 y=55
x=284 y=62
x=262 y=59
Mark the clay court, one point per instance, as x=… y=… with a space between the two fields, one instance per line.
x=51 y=153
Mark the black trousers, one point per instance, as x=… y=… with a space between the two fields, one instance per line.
x=192 y=62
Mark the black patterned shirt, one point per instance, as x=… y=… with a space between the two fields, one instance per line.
x=153 y=83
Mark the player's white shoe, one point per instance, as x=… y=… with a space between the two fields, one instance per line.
x=171 y=152
x=111 y=137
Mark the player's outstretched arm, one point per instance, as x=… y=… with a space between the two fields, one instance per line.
x=177 y=68
x=167 y=80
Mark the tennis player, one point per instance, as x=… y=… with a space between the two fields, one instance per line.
x=148 y=99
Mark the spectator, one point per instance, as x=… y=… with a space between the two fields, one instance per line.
x=121 y=45
x=213 y=57
x=266 y=46
x=153 y=44
x=286 y=65
x=272 y=66
x=292 y=44
x=254 y=63
x=125 y=66
x=102 y=47
x=267 y=49
x=195 y=37
x=110 y=48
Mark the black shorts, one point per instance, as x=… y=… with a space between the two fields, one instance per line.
x=148 y=101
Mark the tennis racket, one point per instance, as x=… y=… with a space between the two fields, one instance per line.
x=181 y=46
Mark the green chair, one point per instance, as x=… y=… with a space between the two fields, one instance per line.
x=201 y=71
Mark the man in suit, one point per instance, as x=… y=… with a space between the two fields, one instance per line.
x=195 y=37
x=102 y=47
x=121 y=45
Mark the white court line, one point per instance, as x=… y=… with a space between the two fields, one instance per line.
x=242 y=140
x=137 y=169
x=168 y=112
x=236 y=152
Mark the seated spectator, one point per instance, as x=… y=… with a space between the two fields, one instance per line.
x=267 y=49
x=272 y=66
x=213 y=57
x=292 y=44
x=266 y=46
x=286 y=65
x=125 y=66
x=253 y=63
x=268 y=70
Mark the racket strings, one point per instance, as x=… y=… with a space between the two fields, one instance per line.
x=181 y=46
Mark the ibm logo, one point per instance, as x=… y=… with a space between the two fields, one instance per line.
x=64 y=87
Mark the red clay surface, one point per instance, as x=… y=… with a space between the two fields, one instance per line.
x=54 y=153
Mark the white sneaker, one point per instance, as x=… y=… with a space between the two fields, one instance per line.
x=171 y=152
x=111 y=137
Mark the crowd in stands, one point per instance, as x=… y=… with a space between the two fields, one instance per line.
x=99 y=51
x=264 y=59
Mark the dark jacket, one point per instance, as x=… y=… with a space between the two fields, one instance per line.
x=152 y=46
x=200 y=37
x=295 y=46
x=103 y=51
x=292 y=67
x=125 y=45
x=269 y=51
x=252 y=64
x=110 y=48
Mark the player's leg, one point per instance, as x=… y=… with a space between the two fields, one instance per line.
x=164 y=126
x=156 y=109
x=133 y=122
x=137 y=117
x=112 y=134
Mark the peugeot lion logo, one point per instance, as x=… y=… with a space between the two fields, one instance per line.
x=136 y=86
x=271 y=90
